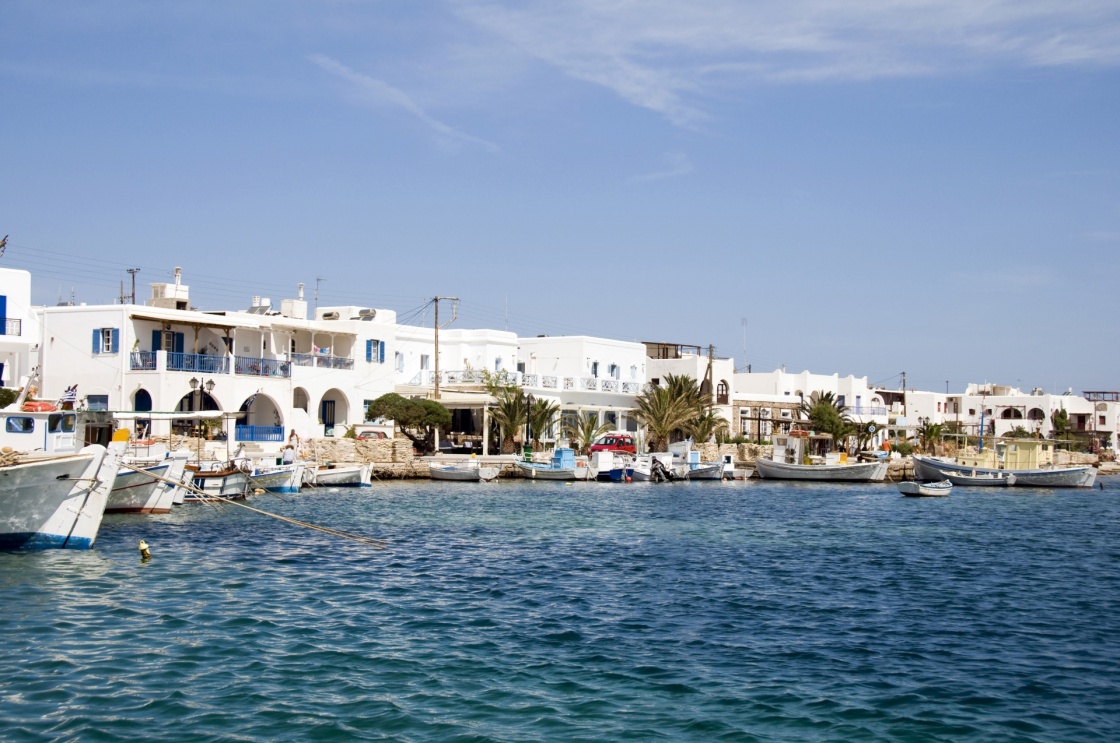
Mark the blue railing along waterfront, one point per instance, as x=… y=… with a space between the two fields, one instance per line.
x=258 y=433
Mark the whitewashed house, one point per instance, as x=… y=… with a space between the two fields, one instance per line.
x=19 y=328
x=271 y=371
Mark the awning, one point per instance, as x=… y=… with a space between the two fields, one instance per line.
x=178 y=317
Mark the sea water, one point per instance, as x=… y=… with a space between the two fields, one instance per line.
x=514 y=611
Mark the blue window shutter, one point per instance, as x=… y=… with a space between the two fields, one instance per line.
x=157 y=336
x=97 y=340
x=381 y=352
x=369 y=350
x=3 y=307
x=178 y=343
x=116 y=340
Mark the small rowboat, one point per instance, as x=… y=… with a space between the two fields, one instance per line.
x=926 y=489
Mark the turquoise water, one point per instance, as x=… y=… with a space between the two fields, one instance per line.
x=537 y=611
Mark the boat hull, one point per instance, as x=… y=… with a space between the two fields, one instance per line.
x=344 y=476
x=226 y=484
x=929 y=468
x=536 y=471
x=713 y=471
x=56 y=502
x=858 y=472
x=145 y=489
x=281 y=478
x=462 y=472
x=925 y=490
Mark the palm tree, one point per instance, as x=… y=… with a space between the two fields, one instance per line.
x=510 y=414
x=825 y=414
x=584 y=430
x=662 y=413
x=541 y=415
x=929 y=435
x=707 y=425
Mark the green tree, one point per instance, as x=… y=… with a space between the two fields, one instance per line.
x=418 y=419
x=929 y=436
x=1059 y=419
x=541 y=415
x=707 y=424
x=664 y=414
x=509 y=413
x=826 y=415
x=584 y=430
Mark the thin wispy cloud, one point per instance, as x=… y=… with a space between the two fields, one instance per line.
x=369 y=91
x=678 y=165
x=669 y=57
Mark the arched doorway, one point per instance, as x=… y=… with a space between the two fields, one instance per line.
x=259 y=419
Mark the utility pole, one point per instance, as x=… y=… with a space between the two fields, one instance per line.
x=454 y=314
x=318 y=280
x=133 y=272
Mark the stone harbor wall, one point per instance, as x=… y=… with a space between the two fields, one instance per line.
x=378 y=451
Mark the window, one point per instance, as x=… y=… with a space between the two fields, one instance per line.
x=398 y=361
x=97 y=402
x=722 y=396
x=1101 y=421
x=106 y=340
x=972 y=411
x=375 y=351
x=840 y=401
x=595 y=369
x=365 y=411
x=613 y=371
x=61 y=423
x=424 y=361
x=498 y=364
x=633 y=371
x=19 y=424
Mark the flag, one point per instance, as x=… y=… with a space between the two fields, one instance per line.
x=70 y=395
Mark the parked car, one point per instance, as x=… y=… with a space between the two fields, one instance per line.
x=620 y=442
x=371 y=435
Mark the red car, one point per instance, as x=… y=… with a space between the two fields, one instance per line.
x=622 y=442
x=371 y=435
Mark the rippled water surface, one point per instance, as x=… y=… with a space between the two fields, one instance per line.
x=537 y=611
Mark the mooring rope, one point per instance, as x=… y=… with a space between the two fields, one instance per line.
x=217 y=500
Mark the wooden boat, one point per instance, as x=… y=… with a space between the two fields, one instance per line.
x=704 y=471
x=221 y=480
x=793 y=460
x=925 y=489
x=1042 y=476
x=56 y=501
x=343 y=475
x=562 y=467
x=976 y=479
x=656 y=467
x=147 y=486
x=467 y=470
x=277 y=478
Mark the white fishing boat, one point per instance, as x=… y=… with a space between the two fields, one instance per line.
x=146 y=486
x=56 y=501
x=216 y=480
x=925 y=489
x=1029 y=461
x=704 y=471
x=467 y=470
x=800 y=455
x=563 y=466
x=343 y=475
x=277 y=478
x=656 y=467
x=975 y=479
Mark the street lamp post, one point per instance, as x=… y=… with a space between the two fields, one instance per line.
x=199 y=386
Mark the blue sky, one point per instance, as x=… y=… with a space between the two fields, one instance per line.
x=855 y=187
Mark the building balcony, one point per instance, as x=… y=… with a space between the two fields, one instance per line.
x=321 y=361
x=259 y=433
x=12 y=326
x=259 y=367
x=197 y=362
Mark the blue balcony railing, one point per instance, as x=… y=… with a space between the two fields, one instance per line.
x=143 y=361
x=258 y=367
x=258 y=433
x=197 y=362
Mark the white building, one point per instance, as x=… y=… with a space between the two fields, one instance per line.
x=714 y=375
x=19 y=328
x=278 y=370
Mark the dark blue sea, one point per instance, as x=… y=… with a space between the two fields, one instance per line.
x=520 y=611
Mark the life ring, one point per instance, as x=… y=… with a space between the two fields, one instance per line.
x=37 y=406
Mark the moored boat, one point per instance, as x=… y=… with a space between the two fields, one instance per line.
x=146 y=486
x=56 y=501
x=467 y=470
x=277 y=478
x=343 y=475
x=793 y=459
x=1029 y=461
x=975 y=479
x=925 y=489
x=563 y=466
x=220 y=480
